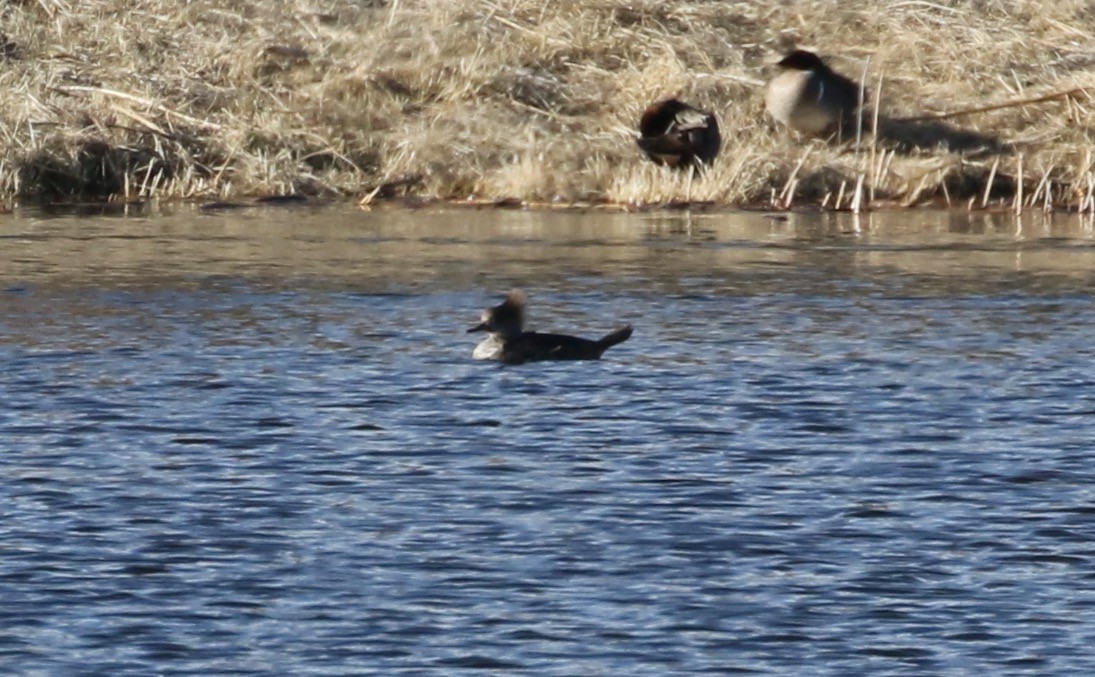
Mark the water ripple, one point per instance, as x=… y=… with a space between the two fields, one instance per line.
x=819 y=464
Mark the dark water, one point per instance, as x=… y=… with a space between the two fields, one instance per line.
x=255 y=443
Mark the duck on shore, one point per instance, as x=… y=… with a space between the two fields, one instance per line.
x=809 y=97
x=679 y=135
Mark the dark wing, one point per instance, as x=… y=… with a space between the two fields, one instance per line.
x=843 y=91
x=533 y=347
x=702 y=133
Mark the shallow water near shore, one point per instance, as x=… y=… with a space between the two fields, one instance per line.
x=254 y=442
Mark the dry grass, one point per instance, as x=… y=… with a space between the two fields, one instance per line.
x=535 y=100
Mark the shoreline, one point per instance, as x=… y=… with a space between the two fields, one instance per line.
x=537 y=105
x=425 y=203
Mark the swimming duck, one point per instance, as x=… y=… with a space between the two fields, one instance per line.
x=810 y=97
x=509 y=343
x=679 y=135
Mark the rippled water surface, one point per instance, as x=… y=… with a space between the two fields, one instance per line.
x=255 y=443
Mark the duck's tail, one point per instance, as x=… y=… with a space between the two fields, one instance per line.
x=618 y=336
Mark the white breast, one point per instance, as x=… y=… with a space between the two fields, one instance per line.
x=489 y=348
x=794 y=98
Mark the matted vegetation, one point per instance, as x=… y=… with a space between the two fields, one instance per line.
x=537 y=100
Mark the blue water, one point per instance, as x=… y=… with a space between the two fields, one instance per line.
x=256 y=444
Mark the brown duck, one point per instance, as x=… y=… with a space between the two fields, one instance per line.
x=679 y=135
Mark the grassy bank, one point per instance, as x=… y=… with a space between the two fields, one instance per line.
x=538 y=101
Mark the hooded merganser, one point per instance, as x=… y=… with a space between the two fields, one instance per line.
x=810 y=97
x=511 y=344
x=676 y=134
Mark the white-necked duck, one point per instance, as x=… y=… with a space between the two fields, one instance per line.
x=810 y=97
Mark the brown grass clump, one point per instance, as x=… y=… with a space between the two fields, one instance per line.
x=530 y=100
